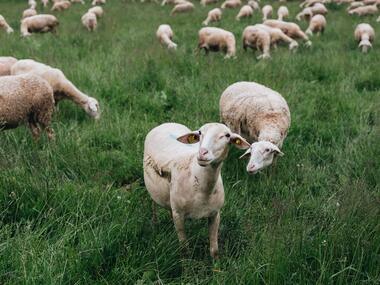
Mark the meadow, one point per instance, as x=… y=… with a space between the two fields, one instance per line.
x=75 y=210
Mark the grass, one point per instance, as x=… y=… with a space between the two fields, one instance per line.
x=75 y=211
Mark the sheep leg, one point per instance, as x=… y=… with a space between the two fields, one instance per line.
x=35 y=130
x=179 y=223
x=303 y=36
x=213 y=227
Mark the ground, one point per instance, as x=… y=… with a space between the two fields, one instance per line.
x=76 y=210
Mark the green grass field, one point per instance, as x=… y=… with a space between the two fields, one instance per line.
x=75 y=211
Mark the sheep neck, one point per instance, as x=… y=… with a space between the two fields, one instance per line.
x=72 y=92
x=206 y=177
x=270 y=133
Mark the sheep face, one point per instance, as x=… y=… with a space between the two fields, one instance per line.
x=213 y=140
x=92 y=108
x=262 y=154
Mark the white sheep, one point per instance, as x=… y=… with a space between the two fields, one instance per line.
x=309 y=3
x=61 y=6
x=214 y=15
x=4 y=25
x=317 y=25
x=165 y=35
x=267 y=12
x=290 y=29
x=26 y=99
x=364 y=35
x=6 y=63
x=98 y=2
x=262 y=37
x=319 y=8
x=32 y=4
x=282 y=13
x=306 y=14
x=29 y=13
x=62 y=87
x=89 y=21
x=40 y=23
x=182 y=173
x=245 y=12
x=354 y=5
x=78 y=2
x=254 y=4
x=259 y=114
x=378 y=19
x=217 y=39
x=182 y=8
x=364 y=10
x=231 y=4
x=45 y=2
x=97 y=10
x=208 y=2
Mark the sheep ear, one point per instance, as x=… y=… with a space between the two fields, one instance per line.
x=277 y=151
x=239 y=141
x=189 y=138
x=247 y=153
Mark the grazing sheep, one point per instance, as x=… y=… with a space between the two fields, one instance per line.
x=370 y=2
x=354 y=5
x=317 y=25
x=182 y=8
x=306 y=14
x=364 y=35
x=61 y=6
x=26 y=99
x=172 y=2
x=164 y=35
x=245 y=12
x=89 y=21
x=39 y=23
x=208 y=2
x=282 y=13
x=214 y=15
x=262 y=37
x=319 y=8
x=182 y=173
x=98 y=2
x=254 y=4
x=231 y=4
x=97 y=10
x=309 y=3
x=4 y=25
x=364 y=10
x=309 y=12
x=62 y=87
x=78 y=1
x=290 y=29
x=6 y=63
x=258 y=114
x=29 y=13
x=45 y=2
x=267 y=12
x=216 y=39
x=32 y=4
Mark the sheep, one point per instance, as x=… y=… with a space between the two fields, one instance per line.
x=28 y=13
x=216 y=39
x=245 y=12
x=32 y=4
x=306 y=14
x=4 y=25
x=364 y=10
x=61 y=6
x=182 y=173
x=40 y=23
x=317 y=25
x=319 y=8
x=309 y=3
x=254 y=4
x=370 y=2
x=45 y=2
x=78 y=1
x=378 y=19
x=208 y=2
x=261 y=37
x=26 y=99
x=258 y=114
x=62 y=87
x=182 y=8
x=171 y=2
x=267 y=12
x=164 y=35
x=309 y=12
x=6 y=63
x=98 y=2
x=364 y=35
x=89 y=21
x=290 y=29
x=282 y=13
x=97 y=10
x=213 y=15
x=231 y=4
x=354 y=5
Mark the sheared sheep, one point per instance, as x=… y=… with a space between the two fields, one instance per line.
x=354 y=5
x=182 y=8
x=97 y=10
x=32 y=4
x=164 y=35
x=364 y=10
x=62 y=87
x=245 y=12
x=214 y=15
x=216 y=39
x=306 y=14
x=29 y=13
x=182 y=173
x=254 y=4
x=40 y=23
x=208 y=2
x=309 y=3
x=290 y=29
x=98 y=2
x=259 y=114
x=6 y=63
x=267 y=12
x=45 y=2
x=61 y=6
x=4 y=25
x=26 y=99
x=282 y=13
x=78 y=2
x=317 y=25
x=364 y=35
x=231 y=4
x=89 y=21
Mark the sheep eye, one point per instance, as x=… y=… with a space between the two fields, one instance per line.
x=200 y=133
x=228 y=135
x=267 y=149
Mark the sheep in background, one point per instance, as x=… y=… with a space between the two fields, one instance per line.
x=6 y=63
x=254 y=4
x=259 y=114
x=45 y=2
x=62 y=87
x=78 y=2
x=267 y=12
x=97 y=10
x=282 y=13
x=245 y=12
x=317 y=25
x=216 y=39
x=214 y=15
x=290 y=29
x=231 y=4
x=61 y=6
x=364 y=35
x=98 y=2
x=89 y=21
x=4 y=25
x=354 y=5
x=40 y=23
x=26 y=99
x=364 y=10
x=29 y=13
x=164 y=35
x=182 y=173
x=208 y=2
x=182 y=8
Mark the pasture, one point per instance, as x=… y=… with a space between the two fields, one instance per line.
x=75 y=210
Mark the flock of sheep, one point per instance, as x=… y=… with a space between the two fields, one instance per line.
x=182 y=168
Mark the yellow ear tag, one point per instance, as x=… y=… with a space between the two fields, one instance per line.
x=238 y=141
x=192 y=139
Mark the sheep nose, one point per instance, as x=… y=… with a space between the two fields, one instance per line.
x=251 y=168
x=203 y=152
